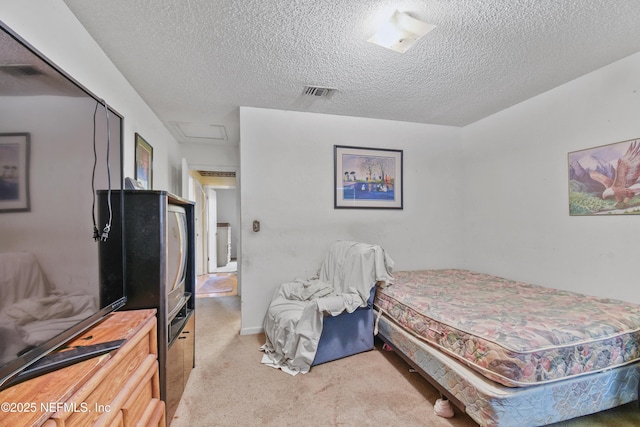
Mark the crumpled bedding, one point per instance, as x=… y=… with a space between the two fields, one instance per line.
x=38 y=320
x=293 y=323
x=20 y=278
x=31 y=312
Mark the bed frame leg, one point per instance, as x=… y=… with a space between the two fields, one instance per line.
x=443 y=408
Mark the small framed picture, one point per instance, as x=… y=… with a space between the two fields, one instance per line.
x=14 y=172
x=367 y=178
x=144 y=162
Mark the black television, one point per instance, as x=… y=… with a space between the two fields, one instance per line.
x=59 y=144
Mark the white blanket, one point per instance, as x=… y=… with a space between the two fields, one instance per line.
x=293 y=323
x=20 y=278
x=30 y=311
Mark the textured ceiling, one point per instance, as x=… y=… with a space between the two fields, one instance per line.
x=197 y=61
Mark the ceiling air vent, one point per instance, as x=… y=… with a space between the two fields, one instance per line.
x=320 y=92
x=217 y=174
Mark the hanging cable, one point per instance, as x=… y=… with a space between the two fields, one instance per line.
x=107 y=228
x=96 y=232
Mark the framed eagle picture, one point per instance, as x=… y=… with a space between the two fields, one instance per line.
x=605 y=180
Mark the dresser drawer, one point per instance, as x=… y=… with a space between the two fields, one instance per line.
x=146 y=390
x=100 y=400
x=95 y=392
x=117 y=422
x=154 y=414
x=97 y=399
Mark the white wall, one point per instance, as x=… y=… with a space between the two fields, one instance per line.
x=286 y=182
x=516 y=212
x=50 y=27
x=228 y=212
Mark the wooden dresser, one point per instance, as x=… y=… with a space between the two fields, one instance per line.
x=120 y=388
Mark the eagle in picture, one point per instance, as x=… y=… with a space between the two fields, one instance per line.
x=624 y=185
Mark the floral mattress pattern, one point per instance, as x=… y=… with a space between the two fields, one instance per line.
x=491 y=404
x=513 y=333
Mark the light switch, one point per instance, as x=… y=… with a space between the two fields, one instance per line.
x=256 y=226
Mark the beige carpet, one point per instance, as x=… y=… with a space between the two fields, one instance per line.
x=230 y=387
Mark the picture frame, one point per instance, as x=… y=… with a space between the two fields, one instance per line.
x=605 y=180
x=144 y=163
x=367 y=178
x=14 y=172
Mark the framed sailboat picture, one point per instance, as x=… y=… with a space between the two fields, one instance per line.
x=367 y=178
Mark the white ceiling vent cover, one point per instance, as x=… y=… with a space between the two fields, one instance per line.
x=320 y=92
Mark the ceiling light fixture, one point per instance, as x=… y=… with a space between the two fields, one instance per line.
x=400 y=32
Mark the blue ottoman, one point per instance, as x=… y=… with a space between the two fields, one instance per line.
x=346 y=334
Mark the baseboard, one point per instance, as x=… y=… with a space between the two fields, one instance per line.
x=252 y=331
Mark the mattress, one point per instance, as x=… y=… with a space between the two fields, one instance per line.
x=492 y=404
x=513 y=333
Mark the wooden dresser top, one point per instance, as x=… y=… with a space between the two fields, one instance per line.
x=26 y=401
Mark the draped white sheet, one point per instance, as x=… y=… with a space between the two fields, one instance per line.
x=31 y=311
x=293 y=323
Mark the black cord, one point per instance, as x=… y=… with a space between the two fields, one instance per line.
x=96 y=233
x=107 y=228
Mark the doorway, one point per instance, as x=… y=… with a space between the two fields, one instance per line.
x=219 y=231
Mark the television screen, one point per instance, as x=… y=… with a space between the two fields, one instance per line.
x=176 y=257
x=58 y=144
